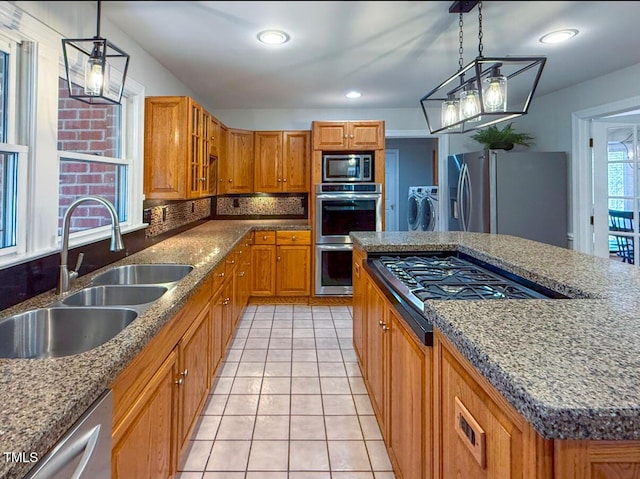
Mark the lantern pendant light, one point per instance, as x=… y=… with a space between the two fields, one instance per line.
x=479 y=89
x=99 y=63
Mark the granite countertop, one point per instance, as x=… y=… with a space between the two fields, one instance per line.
x=571 y=367
x=41 y=398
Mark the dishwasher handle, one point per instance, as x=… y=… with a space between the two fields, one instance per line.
x=84 y=444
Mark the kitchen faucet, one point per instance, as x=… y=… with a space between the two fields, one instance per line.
x=65 y=277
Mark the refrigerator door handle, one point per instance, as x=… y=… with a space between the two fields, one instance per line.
x=457 y=213
x=467 y=211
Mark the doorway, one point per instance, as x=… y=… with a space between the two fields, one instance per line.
x=391 y=196
x=605 y=176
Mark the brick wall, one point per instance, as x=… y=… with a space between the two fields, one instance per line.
x=90 y=129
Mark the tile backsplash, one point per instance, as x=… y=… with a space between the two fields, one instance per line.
x=167 y=217
x=261 y=206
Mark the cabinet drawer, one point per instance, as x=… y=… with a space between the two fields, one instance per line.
x=293 y=237
x=264 y=237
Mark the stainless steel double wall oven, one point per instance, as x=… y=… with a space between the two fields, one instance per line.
x=340 y=209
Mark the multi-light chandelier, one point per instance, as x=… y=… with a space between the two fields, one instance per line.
x=103 y=65
x=486 y=91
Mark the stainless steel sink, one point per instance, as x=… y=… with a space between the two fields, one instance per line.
x=143 y=274
x=60 y=331
x=115 y=295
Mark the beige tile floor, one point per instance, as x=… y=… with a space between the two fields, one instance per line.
x=288 y=403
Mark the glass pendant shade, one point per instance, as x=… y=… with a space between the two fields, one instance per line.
x=470 y=104
x=96 y=76
x=494 y=93
x=450 y=110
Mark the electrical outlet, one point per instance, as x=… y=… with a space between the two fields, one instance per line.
x=193 y=206
x=236 y=203
x=146 y=216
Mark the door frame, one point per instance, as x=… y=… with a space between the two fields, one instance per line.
x=582 y=171
x=392 y=156
x=443 y=153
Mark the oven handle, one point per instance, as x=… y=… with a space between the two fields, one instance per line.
x=348 y=196
x=335 y=247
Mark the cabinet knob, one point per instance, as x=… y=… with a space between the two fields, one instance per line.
x=279 y=180
x=346 y=136
x=241 y=274
x=203 y=179
x=221 y=275
x=352 y=136
x=231 y=261
x=184 y=373
x=230 y=181
x=278 y=258
x=381 y=322
x=179 y=381
x=385 y=328
x=264 y=237
x=294 y=237
x=213 y=138
x=284 y=179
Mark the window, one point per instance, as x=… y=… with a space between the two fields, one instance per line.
x=91 y=163
x=47 y=159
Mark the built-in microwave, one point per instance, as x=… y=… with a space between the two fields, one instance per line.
x=347 y=167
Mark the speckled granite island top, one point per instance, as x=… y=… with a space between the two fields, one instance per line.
x=41 y=398
x=571 y=367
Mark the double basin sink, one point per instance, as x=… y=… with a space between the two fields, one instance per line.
x=90 y=317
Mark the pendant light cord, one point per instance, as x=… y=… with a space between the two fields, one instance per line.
x=98 y=21
x=461 y=37
x=480 y=46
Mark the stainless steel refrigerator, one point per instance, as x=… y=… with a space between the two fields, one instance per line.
x=516 y=193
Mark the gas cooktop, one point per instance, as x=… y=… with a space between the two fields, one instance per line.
x=452 y=277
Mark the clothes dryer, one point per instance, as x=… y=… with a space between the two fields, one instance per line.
x=422 y=208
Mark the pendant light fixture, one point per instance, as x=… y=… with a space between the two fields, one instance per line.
x=98 y=64
x=476 y=95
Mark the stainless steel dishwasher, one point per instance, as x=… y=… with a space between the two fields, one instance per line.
x=85 y=450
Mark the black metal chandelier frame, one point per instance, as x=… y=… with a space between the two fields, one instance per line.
x=474 y=73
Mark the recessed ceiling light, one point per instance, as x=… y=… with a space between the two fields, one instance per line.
x=558 y=36
x=273 y=37
x=353 y=94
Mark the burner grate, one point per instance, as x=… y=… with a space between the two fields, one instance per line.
x=448 y=278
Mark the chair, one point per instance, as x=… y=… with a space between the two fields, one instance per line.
x=622 y=221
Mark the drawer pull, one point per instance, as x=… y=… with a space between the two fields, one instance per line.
x=293 y=238
x=264 y=237
x=470 y=432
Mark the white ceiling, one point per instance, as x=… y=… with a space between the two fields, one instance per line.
x=394 y=52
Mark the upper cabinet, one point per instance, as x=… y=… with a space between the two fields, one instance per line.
x=282 y=161
x=177 y=160
x=348 y=135
x=237 y=169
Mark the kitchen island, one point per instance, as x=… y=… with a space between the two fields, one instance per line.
x=42 y=398
x=569 y=367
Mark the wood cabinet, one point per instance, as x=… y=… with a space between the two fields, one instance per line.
x=236 y=171
x=263 y=260
x=409 y=411
x=397 y=371
x=478 y=434
x=293 y=263
x=281 y=263
x=143 y=444
x=348 y=135
x=377 y=354
x=358 y=305
x=282 y=161
x=193 y=377
x=177 y=164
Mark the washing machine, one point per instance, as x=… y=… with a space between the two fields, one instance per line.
x=422 y=208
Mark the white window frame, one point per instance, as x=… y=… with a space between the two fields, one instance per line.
x=8 y=45
x=131 y=156
x=39 y=236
